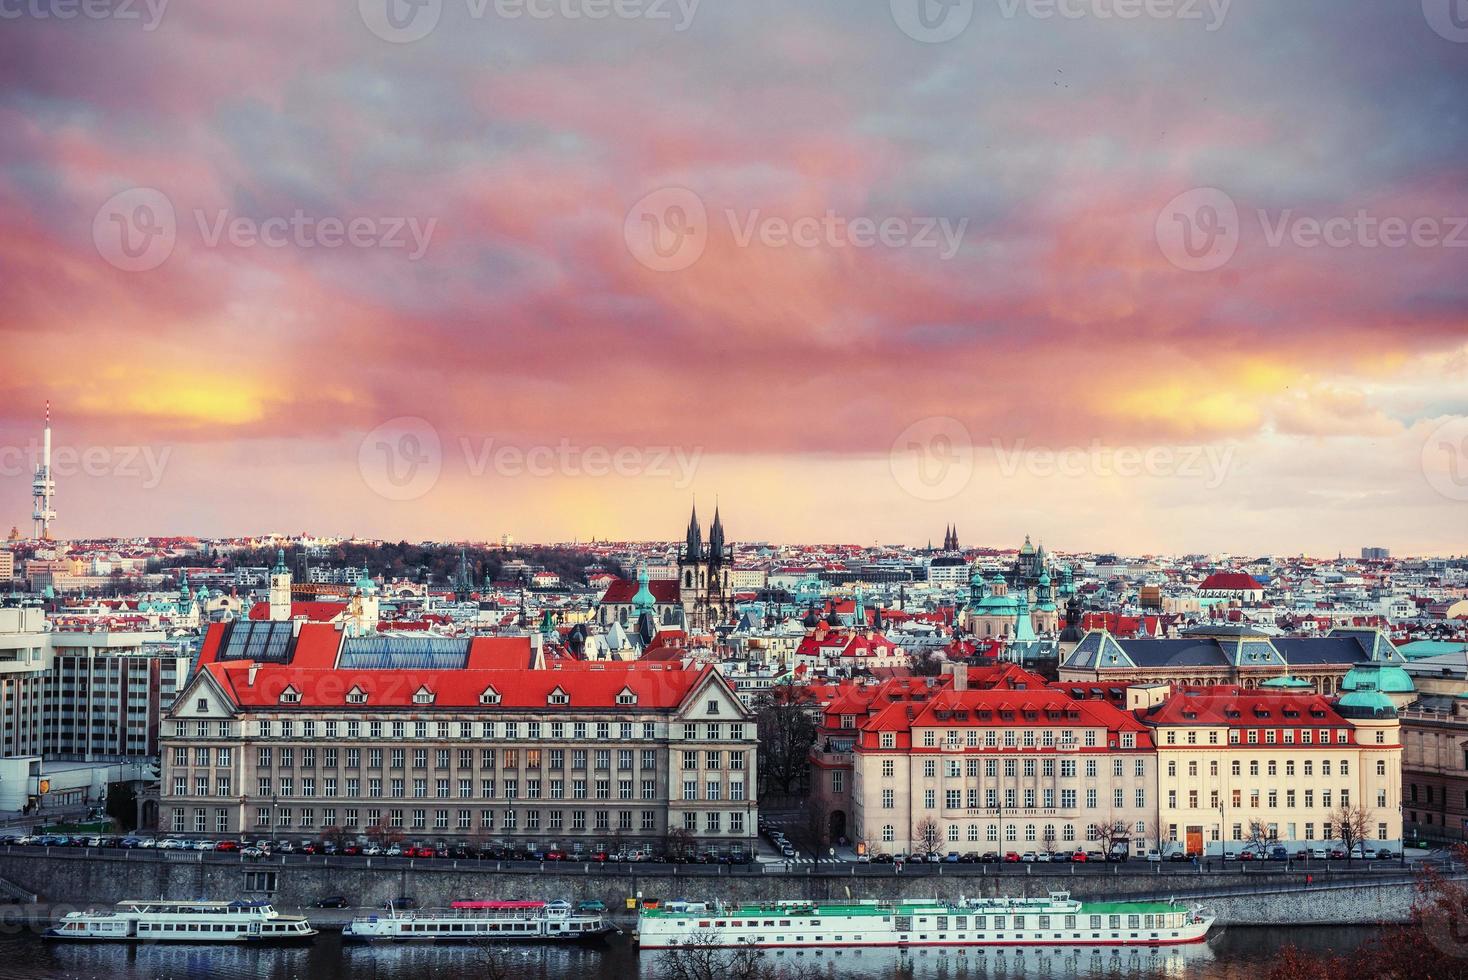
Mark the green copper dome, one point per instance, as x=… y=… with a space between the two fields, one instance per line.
x=1387 y=678
x=1366 y=704
x=1287 y=682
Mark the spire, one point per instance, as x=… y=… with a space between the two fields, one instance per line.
x=716 y=539
x=693 y=546
x=643 y=601
x=279 y=568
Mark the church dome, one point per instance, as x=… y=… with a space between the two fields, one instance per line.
x=1386 y=678
x=1366 y=704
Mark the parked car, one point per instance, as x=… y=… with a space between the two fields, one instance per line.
x=881 y=857
x=372 y=850
x=252 y=852
x=1042 y=857
x=332 y=902
x=591 y=905
x=227 y=845
x=1337 y=854
x=1028 y=857
x=130 y=842
x=1319 y=853
x=1011 y=857
x=148 y=843
x=1385 y=854
x=352 y=850
x=1279 y=854
x=1154 y=855
x=1079 y=857
x=1246 y=856
x=172 y=844
x=394 y=850
x=951 y=857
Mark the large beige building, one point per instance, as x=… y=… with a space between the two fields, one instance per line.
x=1237 y=767
x=300 y=729
x=1003 y=769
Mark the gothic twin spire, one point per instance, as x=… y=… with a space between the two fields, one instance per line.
x=693 y=546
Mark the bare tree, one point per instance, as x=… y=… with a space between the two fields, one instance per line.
x=679 y=844
x=1048 y=837
x=1350 y=827
x=928 y=836
x=787 y=730
x=1258 y=837
x=1156 y=835
x=1110 y=835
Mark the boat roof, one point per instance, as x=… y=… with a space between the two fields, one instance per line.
x=911 y=906
x=195 y=904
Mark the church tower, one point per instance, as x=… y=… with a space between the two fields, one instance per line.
x=703 y=574
x=280 y=589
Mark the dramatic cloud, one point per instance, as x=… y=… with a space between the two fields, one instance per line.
x=786 y=241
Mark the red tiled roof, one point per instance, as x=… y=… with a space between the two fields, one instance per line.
x=319 y=612
x=1212 y=705
x=517 y=689
x=621 y=591
x=1238 y=581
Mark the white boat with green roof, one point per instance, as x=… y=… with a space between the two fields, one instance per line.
x=1056 y=920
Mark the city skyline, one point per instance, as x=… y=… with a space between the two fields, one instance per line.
x=816 y=254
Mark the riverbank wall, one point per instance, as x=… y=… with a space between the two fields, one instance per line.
x=99 y=878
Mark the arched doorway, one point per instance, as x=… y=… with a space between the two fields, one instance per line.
x=838 y=824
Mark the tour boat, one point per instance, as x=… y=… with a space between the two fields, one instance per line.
x=481 y=922
x=1053 y=921
x=184 y=922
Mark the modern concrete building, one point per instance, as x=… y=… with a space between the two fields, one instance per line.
x=82 y=698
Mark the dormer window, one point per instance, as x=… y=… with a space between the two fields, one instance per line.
x=490 y=696
x=626 y=696
x=423 y=695
x=356 y=696
x=558 y=696
x=290 y=696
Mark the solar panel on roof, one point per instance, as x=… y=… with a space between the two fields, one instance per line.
x=263 y=641
x=404 y=653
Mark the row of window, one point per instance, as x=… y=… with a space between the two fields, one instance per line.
x=354 y=819
x=990 y=738
x=954 y=799
x=353 y=728
x=1271 y=767
x=1048 y=834
x=1271 y=797
x=464 y=789
x=969 y=768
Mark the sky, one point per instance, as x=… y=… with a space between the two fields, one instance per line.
x=1163 y=277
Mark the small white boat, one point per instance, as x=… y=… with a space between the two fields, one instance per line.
x=184 y=922
x=481 y=922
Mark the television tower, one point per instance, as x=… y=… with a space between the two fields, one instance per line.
x=43 y=488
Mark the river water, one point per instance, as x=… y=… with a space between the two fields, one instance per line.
x=1238 y=953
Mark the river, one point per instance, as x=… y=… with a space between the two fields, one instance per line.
x=1235 y=954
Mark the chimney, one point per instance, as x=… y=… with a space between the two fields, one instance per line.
x=960 y=677
x=250 y=676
